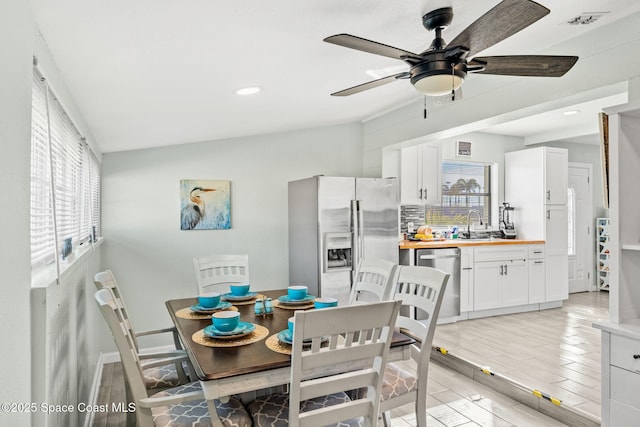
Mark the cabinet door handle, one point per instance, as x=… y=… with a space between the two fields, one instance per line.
x=425 y=194
x=506 y=272
x=548 y=194
x=636 y=356
x=419 y=193
x=538 y=262
x=467 y=268
x=548 y=214
x=502 y=270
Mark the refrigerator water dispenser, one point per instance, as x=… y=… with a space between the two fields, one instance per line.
x=337 y=252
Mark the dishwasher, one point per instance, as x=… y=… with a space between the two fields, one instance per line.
x=447 y=260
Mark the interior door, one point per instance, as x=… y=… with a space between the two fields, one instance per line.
x=580 y=228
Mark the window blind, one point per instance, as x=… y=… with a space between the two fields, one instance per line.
x=65 y=180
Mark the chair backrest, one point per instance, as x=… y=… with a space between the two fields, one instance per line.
x=215 y=271
x=420 y=288
x=106 y=280
x=358 y=333
x=122 y=338
x=373 y=281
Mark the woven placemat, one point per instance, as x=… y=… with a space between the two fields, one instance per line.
x=258 y=334
x=247 y=302
x=277 y=303
x=187 y=313
x=274 y=344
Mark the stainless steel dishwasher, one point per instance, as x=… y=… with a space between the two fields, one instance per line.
x=447 y=260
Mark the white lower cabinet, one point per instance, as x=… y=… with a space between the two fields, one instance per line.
x=537 y=275
x=500 y=277
x=466 y=279
x=620 y=379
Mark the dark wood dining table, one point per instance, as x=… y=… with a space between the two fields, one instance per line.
x=228 y=371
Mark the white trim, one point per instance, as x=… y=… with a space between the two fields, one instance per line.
x=95 y=387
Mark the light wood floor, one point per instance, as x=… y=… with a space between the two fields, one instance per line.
x=555 y=351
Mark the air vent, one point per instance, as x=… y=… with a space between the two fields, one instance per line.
x=586 y=18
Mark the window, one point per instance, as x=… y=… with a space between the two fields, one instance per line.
x=466 y=186
x=65 y=180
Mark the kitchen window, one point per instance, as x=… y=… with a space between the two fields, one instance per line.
x=466 y=186
x=65 y=182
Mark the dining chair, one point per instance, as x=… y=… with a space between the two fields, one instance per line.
x=373 y=281
x=179 y=406
x=157 y=376
x=355 y=337
x=419 y=288
x=216 y=272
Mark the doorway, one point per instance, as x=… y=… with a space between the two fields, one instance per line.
x=581 y=237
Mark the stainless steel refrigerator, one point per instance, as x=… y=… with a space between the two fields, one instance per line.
x=333 y=223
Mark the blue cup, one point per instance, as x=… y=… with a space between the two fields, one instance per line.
x=290 y=323
x=325 y=302
x=297 y=292
x=225 y=321
x=239 y=289
x=209 y=300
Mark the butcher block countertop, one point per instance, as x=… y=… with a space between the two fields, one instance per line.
x=456 y=243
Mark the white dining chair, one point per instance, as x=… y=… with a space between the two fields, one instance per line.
x=356 y=337
x=216 y=272
x=157 y=376
x=418 y=288
x=373 y=281
x=180 y=406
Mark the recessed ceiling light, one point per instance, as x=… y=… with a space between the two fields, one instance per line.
x=248 y=90
x=570 y=112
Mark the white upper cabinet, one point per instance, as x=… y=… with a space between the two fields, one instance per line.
x=556 y=176
x=420 y=175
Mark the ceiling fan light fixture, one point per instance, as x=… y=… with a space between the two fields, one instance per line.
x=438 y=84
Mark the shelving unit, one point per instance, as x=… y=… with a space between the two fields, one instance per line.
x=603 y=250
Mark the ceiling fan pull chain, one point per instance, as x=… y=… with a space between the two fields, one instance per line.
x=425 y=107
x=453 y=82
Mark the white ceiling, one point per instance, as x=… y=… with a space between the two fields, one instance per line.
x=149 y=73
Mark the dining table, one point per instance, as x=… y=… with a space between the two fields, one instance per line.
x=256 y=362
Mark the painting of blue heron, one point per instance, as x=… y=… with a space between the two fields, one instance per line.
x=205 y=205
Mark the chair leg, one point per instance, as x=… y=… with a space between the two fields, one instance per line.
x=421 y=412
x=386 y=418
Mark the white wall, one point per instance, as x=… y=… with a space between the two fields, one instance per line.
x=24 y=352
x=149 y=254
x=16 y=47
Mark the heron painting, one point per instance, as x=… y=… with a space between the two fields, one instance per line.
x=205 y=205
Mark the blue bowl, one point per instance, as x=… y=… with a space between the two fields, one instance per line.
x=239 y=289
x=225 y=321
x=297 y=292
x=325 y=302
x=209 y=300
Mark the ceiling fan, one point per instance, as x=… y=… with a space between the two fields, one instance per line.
x=442 y=68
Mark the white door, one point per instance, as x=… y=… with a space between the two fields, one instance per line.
x=580 y=228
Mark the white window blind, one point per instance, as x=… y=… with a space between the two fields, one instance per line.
x=65 y=180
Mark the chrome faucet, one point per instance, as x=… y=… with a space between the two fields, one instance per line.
x=469 y=221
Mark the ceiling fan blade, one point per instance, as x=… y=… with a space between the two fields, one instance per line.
x=370 y=85
x=524 y=65
x=504 y=20
x=358 y=43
